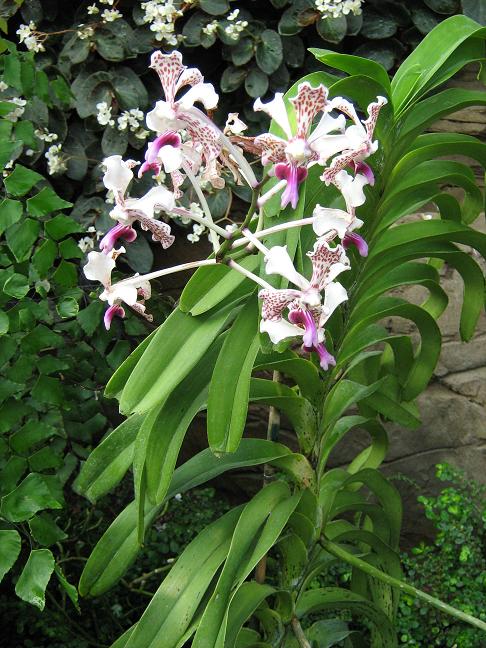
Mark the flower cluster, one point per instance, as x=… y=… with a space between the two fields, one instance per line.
x=337 y=8
x=161 y=15
x=131 y=120
x=56 y=162
x=233 y=27
x=193 y=151
x=31 y=38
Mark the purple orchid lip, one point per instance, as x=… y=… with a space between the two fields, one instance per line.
x=294 y=176
x=110 y=313
x=366 y=170
x=125 y=232
x=304 y=318
x=325 y=358
x=169 y=138
x=351 y=238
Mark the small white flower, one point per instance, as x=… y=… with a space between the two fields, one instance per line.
x=3 y=86
x=17 y=112
x=29 y=36
x=44 y=135
x=85 y=31
x=104 y=114
x=93 y=9
x=55 y=161
x=233 y=15
x=194 y=238
x=337 y=8
x=86 y=244
x=211 y=28
x=232 y=227
x=110 y=15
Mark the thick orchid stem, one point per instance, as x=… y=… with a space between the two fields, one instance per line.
x=185 y=213
x=250 y=275
x=299 y=633
x=204 y=204
x=166 y=271
x=364 y=566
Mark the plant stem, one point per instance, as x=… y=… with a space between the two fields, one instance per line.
x=185 y=213
x=348 y=557
x=204 y=205
x=251 y=210
x=275 y=228
x=250 y=275
x=273 y=429
x=166 y=271
x=299 y=633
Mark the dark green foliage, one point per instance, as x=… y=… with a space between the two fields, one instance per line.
x=453 y=566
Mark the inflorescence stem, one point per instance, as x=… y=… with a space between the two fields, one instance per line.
x=364 y=566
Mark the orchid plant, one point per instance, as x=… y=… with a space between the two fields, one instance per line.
x=293 y=290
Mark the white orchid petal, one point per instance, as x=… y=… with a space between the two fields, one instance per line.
x=171 y=158
x=336 y=270
x=351 y=188
x=278 y=261
x=277 y=111
x=203 y=93
x=280 y=330
x=327 y=219
x=99 y=267
x=328 y=145
x=118 y=174
x=335 y=294
x=327 y=124
x=123 y=292
x=162 y=117
x=157 y=196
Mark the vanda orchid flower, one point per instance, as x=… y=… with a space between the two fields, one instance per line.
x=117 y=177
x=356 y=143
x=292 y=156
x=173 y=115
x=307 y=313
x=343 y=223
x=99 y=268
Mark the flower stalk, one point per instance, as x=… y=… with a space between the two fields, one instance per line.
x=372 y=571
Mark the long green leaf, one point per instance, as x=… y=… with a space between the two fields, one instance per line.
x=230 y=383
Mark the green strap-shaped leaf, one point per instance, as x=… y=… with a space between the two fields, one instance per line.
x=302 y=371
x=179 y=343
x=174 y=604
x=33 y=580
x=433 y=145
x=109 y=461
x=167 y=427
x=426 y=112
x=353 y=65
x=118 y=547
x=344 y=394
x=246 y=600
x=329 y=598
x=430 y=55
x=230 y=383
x=209 y=285
x=241 y=558
x=9 y=550
x=296 y=408
x=118 y=381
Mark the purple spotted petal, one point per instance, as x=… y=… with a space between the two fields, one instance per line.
x=169 y=138
x=111 y=312
x=109 y=240
x=294 y=176
x=366 y=170
x=351 y=238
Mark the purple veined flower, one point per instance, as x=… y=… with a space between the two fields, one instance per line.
x=358 y=145
x=174 y=114
x=99 y=268
x=299 y=150
x=126 y=211
x=307 y=312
